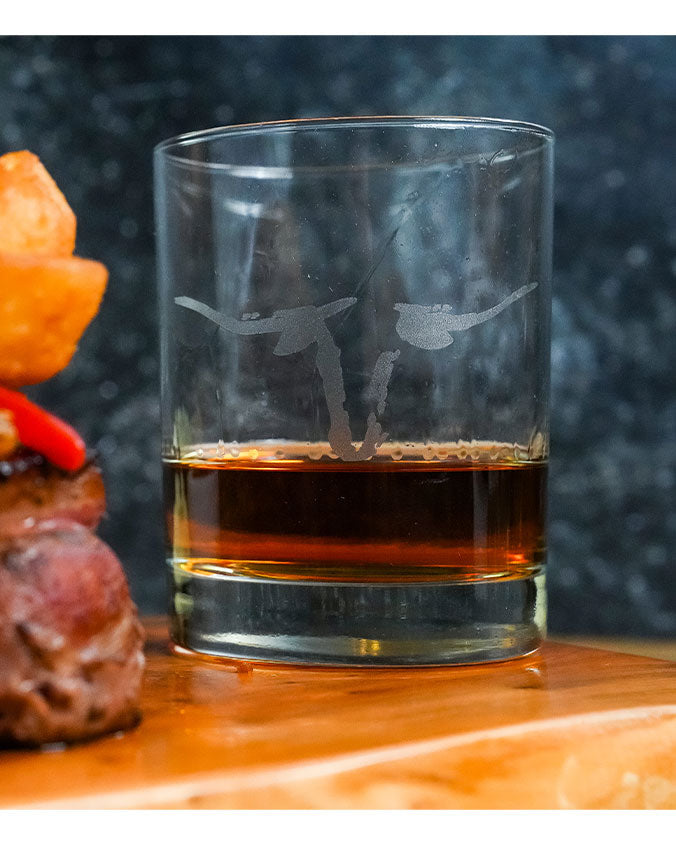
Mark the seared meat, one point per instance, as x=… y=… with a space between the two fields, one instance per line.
x=32 y=490
x=71 y=655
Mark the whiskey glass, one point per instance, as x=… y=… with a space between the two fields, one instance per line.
x=355 y=333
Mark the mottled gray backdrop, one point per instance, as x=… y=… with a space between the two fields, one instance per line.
x=93 y=108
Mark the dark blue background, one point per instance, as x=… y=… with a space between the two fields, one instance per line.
x=93 y=108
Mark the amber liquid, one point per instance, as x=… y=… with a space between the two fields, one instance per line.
x=280 y=514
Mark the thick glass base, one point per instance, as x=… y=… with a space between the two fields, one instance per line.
x=356 y=624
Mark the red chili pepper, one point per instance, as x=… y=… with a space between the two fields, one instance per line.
x=44 y=432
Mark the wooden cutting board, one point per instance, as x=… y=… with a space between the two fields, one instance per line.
x=568 y=727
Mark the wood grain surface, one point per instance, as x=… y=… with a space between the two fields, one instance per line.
x=567 y=727
x=663 y=649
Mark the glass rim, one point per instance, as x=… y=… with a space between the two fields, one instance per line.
x=170 y=148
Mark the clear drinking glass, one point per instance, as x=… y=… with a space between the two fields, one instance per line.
x=355 y=321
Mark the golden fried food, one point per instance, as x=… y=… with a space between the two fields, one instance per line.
x=35 y=218
x=45 y=305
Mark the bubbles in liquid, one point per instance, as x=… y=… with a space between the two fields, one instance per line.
x=474 y=451
x=520 y=453
x=315 y=451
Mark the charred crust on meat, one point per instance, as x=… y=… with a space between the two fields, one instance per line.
x=34 y=491
x=23 y=460
x=71 y=657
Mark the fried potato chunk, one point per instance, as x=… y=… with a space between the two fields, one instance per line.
x=35 y=218
x=45 y=305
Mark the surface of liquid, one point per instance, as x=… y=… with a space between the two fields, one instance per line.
x=290 y=511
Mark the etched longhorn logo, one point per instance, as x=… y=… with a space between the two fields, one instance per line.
x=424 y=326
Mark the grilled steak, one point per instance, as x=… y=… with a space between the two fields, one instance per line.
x=71 y=655
x=32 y=490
